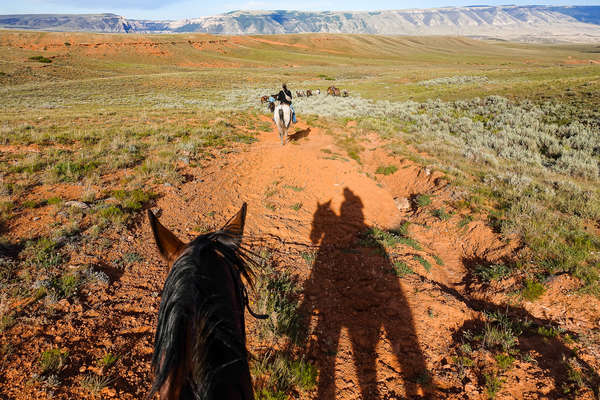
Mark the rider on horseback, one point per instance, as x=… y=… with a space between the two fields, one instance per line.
x=285 y=97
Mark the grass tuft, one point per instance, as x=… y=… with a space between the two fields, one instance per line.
x=386 y=169
x=52 y=361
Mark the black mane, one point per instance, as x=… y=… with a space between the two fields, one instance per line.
x=202 y=306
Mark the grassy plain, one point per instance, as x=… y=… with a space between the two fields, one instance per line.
x=112 y=120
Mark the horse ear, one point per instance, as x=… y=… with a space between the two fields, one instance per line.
x=235 y=226
x=168 y=244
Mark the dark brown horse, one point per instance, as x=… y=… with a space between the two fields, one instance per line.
x=308 y=93
x=200 y=343
x=264 y=99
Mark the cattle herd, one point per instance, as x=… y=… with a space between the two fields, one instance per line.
x=331 y=91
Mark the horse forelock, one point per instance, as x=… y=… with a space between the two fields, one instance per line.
x=201 y=320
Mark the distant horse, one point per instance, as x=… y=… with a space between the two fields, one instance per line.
x=200 y=343
x=318 y=91
x=309 y=93
x=282 y=115
x=333 y=91
x=264 y=99
x=299 y=93
x=345 y=93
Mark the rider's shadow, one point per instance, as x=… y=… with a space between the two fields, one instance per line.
x=351 y=290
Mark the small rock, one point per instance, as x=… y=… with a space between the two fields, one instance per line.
x=402 y=203
x=82 y=369
x=78 y=308
x=110 y=392
x=427 y=171
x=36 y=218
x=91 y=313
x=167 y=184
x=77 y=204
x=469 y=388
x=185 y=160
x=156 y=211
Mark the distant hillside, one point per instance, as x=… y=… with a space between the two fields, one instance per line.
x=67 y=22
x=524 y=23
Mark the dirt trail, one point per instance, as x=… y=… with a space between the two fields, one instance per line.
x=372 y=334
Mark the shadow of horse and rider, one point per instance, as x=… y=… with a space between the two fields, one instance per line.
x=200 y=339
x=350 y=289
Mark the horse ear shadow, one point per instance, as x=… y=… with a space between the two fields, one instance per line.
x=168 y=244
x=235 y=226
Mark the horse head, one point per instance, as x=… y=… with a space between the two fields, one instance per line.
x=200 y=341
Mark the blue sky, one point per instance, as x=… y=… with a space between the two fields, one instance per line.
x=177 y=9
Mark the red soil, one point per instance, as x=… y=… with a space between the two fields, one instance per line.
x=373 y=335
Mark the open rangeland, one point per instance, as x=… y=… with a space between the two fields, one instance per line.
x=435 y=234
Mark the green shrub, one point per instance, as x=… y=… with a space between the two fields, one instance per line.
x=308 y=257
x=41 y=59
x=401 y=269
x=305 y=374
x=107 y=361
x=63 y=286
x=375 y=237
x=277 y=295
x=112 y=213
x=491 y=272
x=72 y=171
x=504 y=361
x=52 y=361
x=43 y=253
x=466 y=220
x=278 y=374
x=548 y=332
x=423 y=200
x=426 y=264
x=7 y=321
x=52 y=201
x=493 y=384
x=132 y=200
x=294 y=188
x=438 y=260
x=95 y=383
x=499 y=335
x=533 y=290
x=441 y=214
x=386 y=169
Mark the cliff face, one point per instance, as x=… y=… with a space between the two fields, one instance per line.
x=67 y=23
x=538 y=23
